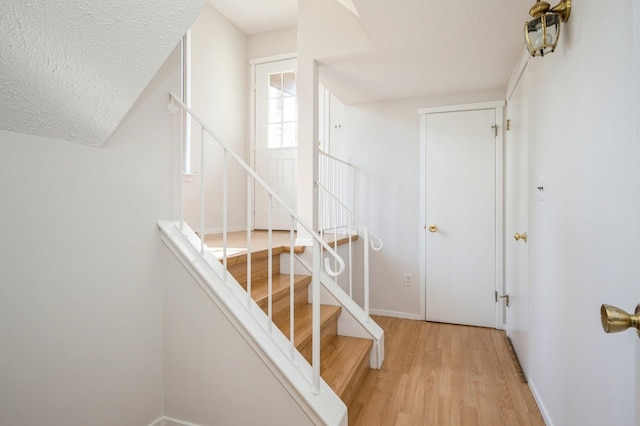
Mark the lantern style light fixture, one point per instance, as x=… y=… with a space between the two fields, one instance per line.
x=542 y=32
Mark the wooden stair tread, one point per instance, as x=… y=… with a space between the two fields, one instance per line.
x=241 y=257
x=303 y=321
x=341 y=358
x=280 y=287
x=342 y=239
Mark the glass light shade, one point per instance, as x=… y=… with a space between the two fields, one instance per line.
x=541 y=34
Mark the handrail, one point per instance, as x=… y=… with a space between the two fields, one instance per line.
x=326 y=154
x=353 y=215
x=271 y=192
x=370 y=240
x=319 y=245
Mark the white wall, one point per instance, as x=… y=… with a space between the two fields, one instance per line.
x=382 y=140
x=80 y=279
x=212 y=375
x=583 y=239
x=219 y=98
x=272 y=43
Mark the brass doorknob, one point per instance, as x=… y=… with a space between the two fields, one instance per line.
x=520 y=237
x=433 y=228
x=615 y=319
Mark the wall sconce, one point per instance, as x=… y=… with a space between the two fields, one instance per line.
x=542 y=32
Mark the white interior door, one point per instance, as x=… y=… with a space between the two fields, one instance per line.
x=517 y=208
x=276 y=141
x=460 y=204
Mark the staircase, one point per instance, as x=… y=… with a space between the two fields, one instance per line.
x=344 y=359
x=315 y=338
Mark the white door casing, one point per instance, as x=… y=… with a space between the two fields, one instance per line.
x=275 y=147
x=462 y=171
x=516 y=220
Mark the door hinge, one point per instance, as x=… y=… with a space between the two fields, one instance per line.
x=505 y=297
x=495 y=129
x=508 y=124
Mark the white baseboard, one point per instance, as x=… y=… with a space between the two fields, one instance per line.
x=168 y=421
x=543 y=409
x=394 y=314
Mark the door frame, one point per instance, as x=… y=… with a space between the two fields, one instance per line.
x=252 y=115
x=498 y=106
x=516 y=76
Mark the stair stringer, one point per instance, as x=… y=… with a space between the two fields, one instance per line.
x=322 y=408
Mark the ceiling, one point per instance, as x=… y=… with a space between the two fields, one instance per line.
x=71 y=70
x=416 y=47
x=257 y=16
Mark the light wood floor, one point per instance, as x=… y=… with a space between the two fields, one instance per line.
x=237 y=241
x=442 y=374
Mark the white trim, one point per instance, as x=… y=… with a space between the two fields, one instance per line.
x=498 y=106
x=274 y=58
x=499 y=216
x=394 y=314
x=543 y=410
x=463 y=107
x=161 y=422
x=423 y=217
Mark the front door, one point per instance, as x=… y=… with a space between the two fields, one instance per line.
x=276 y=130
x=517 y=208
x=460 y=198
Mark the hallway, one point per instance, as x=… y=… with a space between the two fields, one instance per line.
x=442 y=374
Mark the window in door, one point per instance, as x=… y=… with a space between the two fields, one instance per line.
x=283 y=111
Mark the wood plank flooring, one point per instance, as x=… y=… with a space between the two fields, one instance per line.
x=237 y=241
x=442 y=374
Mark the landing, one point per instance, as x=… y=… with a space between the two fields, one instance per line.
x=237 y=242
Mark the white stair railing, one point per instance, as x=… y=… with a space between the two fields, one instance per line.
x=353 y=225
x=338 y=177
x=321 y=249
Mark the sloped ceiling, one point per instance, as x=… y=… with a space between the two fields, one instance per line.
x=429 y=47
x=408 y=48
x=71 y=70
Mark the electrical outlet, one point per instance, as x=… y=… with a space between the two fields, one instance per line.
x=408 y=280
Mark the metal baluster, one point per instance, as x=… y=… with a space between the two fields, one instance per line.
x=183 y=118
x=366 y=274
x=315 y=320
x=292 y=287
x=202 y=175
x=249 y=222
x=270 y=264
x=224 y=213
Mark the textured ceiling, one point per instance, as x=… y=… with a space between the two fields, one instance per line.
x=428 y=47
x=71 y=70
